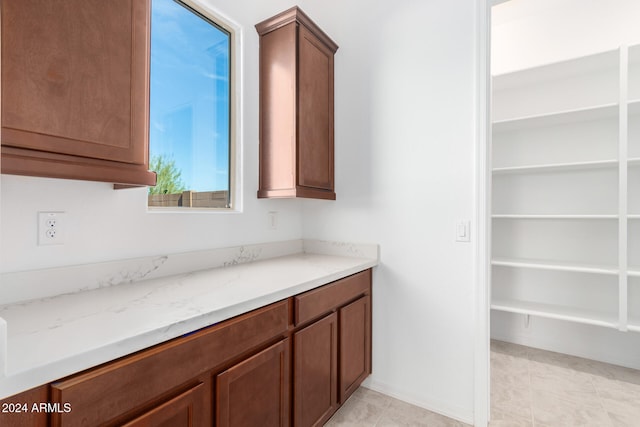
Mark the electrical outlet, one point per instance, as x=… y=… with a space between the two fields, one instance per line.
x=273 y=220
x=51 y=227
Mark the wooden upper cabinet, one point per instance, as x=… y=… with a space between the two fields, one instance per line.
x=296 y=108
x=75 y=89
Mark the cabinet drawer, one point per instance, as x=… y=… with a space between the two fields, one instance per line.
x=317 y=302
x=107 y=392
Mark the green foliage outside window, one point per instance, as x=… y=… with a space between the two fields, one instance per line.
x=169 y=179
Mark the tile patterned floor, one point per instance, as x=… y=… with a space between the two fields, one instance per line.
x=368 y=408
x=537 y=388
x=529 y=388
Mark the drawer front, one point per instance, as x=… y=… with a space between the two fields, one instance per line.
x=107 y=392
x=317 y=302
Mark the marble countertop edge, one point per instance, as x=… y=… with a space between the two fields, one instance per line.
x=20 y=374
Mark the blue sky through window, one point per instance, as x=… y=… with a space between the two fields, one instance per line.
x=190 y=96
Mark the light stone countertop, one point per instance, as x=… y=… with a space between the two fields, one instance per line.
x=50 y=337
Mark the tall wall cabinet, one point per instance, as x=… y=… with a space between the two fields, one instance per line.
x=566 y=190
x=296 y=108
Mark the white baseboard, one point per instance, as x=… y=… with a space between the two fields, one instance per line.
x=433 y=405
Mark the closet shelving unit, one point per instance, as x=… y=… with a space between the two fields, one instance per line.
x=566 y=190
x=633 y=165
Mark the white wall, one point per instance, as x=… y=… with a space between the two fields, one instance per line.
x=404 y=174
x=528 y=33
x=104 y=224
x=591 y=342
x=404 y=133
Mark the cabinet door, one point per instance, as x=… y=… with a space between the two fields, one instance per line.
x=75 y=89
x=74 y=76
x=355 y=345
x=315 y=372
x=315 y=116
x=255 y=392
x=185 y=410
x=16 y=411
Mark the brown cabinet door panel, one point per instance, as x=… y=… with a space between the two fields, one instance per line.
x=19 y=409
x=315 y=372
x=256 y=392
x=185 y=410
x=75 y=77
x=315 y=117
x=355 y=345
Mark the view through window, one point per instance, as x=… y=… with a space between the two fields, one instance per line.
x=190 y=99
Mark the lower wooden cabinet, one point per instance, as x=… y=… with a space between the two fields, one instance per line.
x=293 y=362
x=121 y=390
x=315 y=372
x=355 y=345
x=332 y=355
x=18 y=410
x=255 y=392
x=184 y=410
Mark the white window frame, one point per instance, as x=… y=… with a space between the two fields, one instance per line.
x=235 y=113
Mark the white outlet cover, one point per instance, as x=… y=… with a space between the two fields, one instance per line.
x=51 y=228
x=272 y=220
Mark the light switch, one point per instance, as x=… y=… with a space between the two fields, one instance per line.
x=463 y=231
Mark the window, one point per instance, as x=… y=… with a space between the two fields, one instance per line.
x=190 y=138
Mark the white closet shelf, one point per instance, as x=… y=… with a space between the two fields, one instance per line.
x=551 y=167
x=540 y=104
x=555 y=265
x=552 y=311
x=566 y=68
x=557 y=118
x=555 y=216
